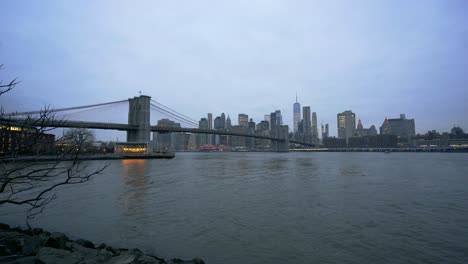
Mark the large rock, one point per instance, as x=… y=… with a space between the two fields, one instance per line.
x=32 y=244
x=37 y=231
x=10 y=242
x=56 y=240
x=125 y=258
x=145 y=259
x=101 y=246
x=85 y=243
x=47 y=255
x=21 y=260
x=91 y=255
x=4 y=251
x=193 y=261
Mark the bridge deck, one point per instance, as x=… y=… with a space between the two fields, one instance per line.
x=126 y=127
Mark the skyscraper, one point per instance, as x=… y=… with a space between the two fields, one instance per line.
x=314 y=125
x=279 y=118
x=210 y=126
x=218 y=123
x=346 y=124
x=296 y=115
x=273 y=123
x=223 y=120
x=210 y=121
x=228 y=123
x=243 y=120
x=202 y=138
x=306 y=123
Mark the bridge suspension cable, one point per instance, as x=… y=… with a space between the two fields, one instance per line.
x=63 y=109
x=104 y=113
x=173 y=115
x=174 y=111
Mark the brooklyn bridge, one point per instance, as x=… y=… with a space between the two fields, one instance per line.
x=139 y=128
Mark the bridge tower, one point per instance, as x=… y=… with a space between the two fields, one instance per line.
x=139 y=115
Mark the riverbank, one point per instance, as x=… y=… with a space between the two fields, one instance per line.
x=111 y=156
x=438 y=150
x=39 y=246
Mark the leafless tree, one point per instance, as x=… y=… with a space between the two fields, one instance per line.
x=4 y=88
x=25 y=178
x=79 y=136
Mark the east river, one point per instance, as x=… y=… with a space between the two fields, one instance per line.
x=274 y=207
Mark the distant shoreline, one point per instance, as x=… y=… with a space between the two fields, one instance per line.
x=112 y=156
x=425 y=150
x=379 y=150
x=170 y=155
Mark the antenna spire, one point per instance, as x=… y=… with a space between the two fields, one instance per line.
x=296 y=97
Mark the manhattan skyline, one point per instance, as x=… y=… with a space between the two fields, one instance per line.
x=376 y=59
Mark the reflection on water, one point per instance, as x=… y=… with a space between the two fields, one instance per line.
x=132 y=198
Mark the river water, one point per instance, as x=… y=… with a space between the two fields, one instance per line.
x=274 y=207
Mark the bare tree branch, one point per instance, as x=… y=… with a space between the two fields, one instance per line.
x=4 y=88
x=34 y=183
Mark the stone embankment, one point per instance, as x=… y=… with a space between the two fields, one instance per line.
x=37 y=246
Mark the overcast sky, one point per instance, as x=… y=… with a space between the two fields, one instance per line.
x=376 y=58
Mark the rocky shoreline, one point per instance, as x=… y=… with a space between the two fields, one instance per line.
x=36 y=246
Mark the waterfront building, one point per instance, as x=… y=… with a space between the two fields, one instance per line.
x=192 y=143
x=315 y=137
x=203 y=123
x=300 y=129
x=14 y=139
x=306 y=124
x=210 y=126
x=314 y=124
x=237 y=141
x=457 y=132
x=279 y=118
x=243 y=120
x=251 y=125
x=400 y=127
x=263 y=125
x=165 y=141
x=363 y=132
x=223 y=121
x=136 y=147
x=228 y=123
x=325 y=133
x=376 y=141
x=262 y=128
x=333 y=142
x=202 y=138
x=218 y=123
x=251 y=130
x=346 y=124
x=272 y=122
x=182 y=141
x=296 y=115
x=273 y=128
x=210 y=121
